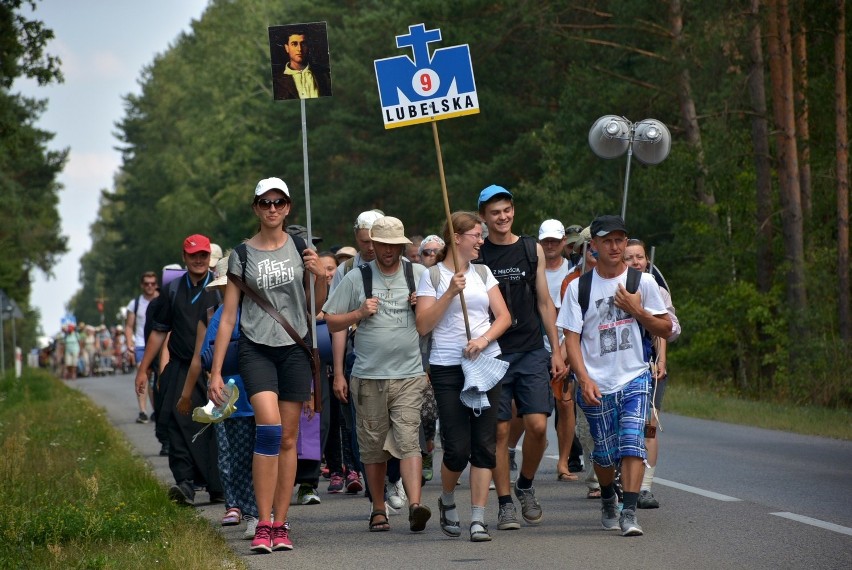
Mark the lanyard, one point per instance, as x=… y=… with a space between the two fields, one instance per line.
x=203 y=285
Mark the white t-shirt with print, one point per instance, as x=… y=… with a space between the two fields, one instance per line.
x=610 y=341
x=449 y=337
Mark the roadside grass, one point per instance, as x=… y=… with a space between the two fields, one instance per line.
x=704 y=403
x=75 y=496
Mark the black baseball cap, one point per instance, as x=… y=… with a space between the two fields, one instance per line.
x=604 y=225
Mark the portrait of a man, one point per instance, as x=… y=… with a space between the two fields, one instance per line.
x=300 y=62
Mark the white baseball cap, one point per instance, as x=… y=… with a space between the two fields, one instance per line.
x=551 y=229
x=268 y=184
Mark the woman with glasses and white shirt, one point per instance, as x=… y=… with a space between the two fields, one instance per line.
x=466 y=437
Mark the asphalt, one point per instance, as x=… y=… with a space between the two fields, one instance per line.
x=765 y=471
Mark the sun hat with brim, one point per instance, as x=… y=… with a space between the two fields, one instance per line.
x=344 y=253
x=220 y=274
x=389 y=230
x=215 y=254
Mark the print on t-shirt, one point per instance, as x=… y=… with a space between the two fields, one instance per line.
x=394 y=310
x=272 y=273
x=611 y=320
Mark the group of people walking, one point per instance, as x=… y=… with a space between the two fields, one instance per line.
x=405 y=321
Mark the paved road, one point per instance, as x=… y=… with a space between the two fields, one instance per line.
x=732 y=497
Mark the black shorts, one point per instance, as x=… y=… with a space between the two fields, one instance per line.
x=285 y=370
x=527 y=382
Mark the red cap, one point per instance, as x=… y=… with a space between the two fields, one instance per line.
x=196 y=243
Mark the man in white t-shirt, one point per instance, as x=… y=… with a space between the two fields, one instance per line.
x=551 y=236
x=134 y=331
x=613 y=374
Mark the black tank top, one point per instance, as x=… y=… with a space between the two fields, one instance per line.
x=516 y=276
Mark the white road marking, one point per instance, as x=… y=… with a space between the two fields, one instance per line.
x=815 y=522
x=696 y=490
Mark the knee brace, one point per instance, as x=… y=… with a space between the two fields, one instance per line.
x=267 y=440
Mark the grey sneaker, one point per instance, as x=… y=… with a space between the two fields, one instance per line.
x=647 y=500
x=628 y=524
x=507 y=517
x=530 y=509
x=609 y=513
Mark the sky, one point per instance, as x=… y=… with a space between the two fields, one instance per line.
x=104 y=46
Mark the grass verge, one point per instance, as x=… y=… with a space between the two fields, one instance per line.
x=75 y=496
x=809 y=420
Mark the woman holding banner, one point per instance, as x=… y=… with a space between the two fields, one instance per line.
x=275 y=369
x=467 y=437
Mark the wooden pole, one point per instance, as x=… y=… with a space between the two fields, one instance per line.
x=449 y=215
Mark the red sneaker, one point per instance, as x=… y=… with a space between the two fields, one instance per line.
x=262 y=542
x=353 y=483
x=281 y=537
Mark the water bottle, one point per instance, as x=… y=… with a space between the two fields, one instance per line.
x=217 y=411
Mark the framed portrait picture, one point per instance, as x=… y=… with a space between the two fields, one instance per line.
x=300 y=63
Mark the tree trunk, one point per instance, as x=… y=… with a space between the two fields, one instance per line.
x=687 y=111
x=781 y=71
x=800 y=70
x=842 y=157
x=760 y=142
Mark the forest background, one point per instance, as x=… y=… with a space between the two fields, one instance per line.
x=748 y=214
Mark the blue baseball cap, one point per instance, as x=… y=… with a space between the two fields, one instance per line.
x=490 y=192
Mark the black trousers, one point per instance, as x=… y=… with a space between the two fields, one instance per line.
x=465 y=436
x=188 y=460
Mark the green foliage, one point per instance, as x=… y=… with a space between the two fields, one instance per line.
x=75 y=494
x=205 y=129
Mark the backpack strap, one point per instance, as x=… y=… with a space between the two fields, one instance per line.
x=482 y=271
x=584 y=292
x=348 y=265
x=367 y=278
x=408 y=271
x=633 y=278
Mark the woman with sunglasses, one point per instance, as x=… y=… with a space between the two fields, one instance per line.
x=430 y=247
x=275 y=370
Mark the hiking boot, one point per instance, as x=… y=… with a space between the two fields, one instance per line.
x=428 y=472
x=628 y=524
x=353 y=483
x=142 y=419
x=647 y=500
x=396 y=494
x=335 y=484
x=164 y=449
x=307 y=495
x=609 y=513
x=183 y=493
x=251 y=527
x=262 y=538
x=281 y=538
x=530 y=508
x=507 y=517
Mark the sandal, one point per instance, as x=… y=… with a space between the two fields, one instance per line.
x=418 y=516
x=567 y=477
x=232 y=517
x=448 y=527
x=380 y=525
x=594 y=494
x=479 y=532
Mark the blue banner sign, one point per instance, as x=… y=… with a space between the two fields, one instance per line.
x=425 y=88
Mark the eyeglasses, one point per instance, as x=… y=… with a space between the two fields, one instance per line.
x=265 y=204
x=477 y=237
x=149 y=283
x=430 y=252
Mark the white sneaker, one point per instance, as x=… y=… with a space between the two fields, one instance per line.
x=396 y=495
x=251 y=527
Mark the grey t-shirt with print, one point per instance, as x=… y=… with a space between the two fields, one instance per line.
x=387 y=345
x=276 y=276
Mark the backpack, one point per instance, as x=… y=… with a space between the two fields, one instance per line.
x=634 y=277
x=136 y=307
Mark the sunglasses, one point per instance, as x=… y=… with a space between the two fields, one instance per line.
x=430 y=252
x=265 y=204
x=149 y=283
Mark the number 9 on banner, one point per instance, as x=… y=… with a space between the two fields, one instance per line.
x=425 y=82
